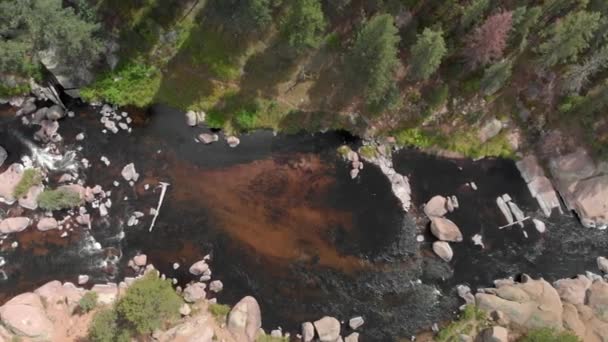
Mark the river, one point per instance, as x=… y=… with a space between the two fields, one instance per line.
x=284 y=222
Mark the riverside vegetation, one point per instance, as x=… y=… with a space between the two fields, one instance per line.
x=439 y=69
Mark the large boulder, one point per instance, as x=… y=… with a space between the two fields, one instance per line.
x=25 y=316
x=574 y=290
x=14 y=225
x=245 y=320
x=445 y=230
x=328 y=329
x=436 y=207
x=495 y=334
x=308 y=331
x=443 y=250
x=602 y=264
x=490 y=129
x=591 y=201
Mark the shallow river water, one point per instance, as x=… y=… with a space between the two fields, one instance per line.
x=285 y=223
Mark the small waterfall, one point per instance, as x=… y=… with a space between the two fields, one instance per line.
x=46 y=159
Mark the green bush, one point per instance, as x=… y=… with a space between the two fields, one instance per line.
x=219 y=311
x=19 y=89
x=104 y=327
x=88 y=302
x=471 y=321
x=368 y=152
x=132 y=84
x=549 y=335
x=58 y=199
x=30 y=178
x=148 y=303
x=437 y=96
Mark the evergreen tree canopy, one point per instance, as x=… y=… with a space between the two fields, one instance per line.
x=568 y=37
x=427 y=53
x=304 y=25
x=373 y=59
x=28 y=27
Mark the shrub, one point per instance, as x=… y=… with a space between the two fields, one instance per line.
x=495 y=77
x=368 y=152
x=148 y=303
x=104 y=327
x=30 y=178
x=437 y=96
x=219 y=311
x=549 y=335
x=58 y=199
x=88 y=302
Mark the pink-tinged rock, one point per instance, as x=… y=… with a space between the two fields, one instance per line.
x=14 y=225
x=436 y=207
x=84 y=220
x=445 y=230
x=194 y=292
x=245 y=319
x=30 y=200
x=328 y=329
x=443 y=250
x=25 y=316
x=591 y=201
x=199 y=268
x=8 y=181
x=47 y=223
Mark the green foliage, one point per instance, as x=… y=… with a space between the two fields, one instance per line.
x=415 y=137
x=30 y=178
x=31 y=26
x=219 y=311
x=471 y=321
x=104 y=327
x=88 y=302
x=437 y=96
x=9 y=91
x=304 y=25
x=549 y=335
x=474 y=12
x=343 y=150
x=496 y=76
x=148 y=303
x=58 y=199
x=245 y=16
x=373 y=59
x=368 y=152
x=567 y=38
x=427 y=54
x=132 y=84
x=523 y=20
x=268 y=338
x=577 y=76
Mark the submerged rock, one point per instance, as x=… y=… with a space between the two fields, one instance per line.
x=445 y=230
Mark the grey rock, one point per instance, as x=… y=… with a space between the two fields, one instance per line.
x=443 y=250
x=245 y=319
x=356 y=322
x=354 y=337
x=328 y=329
x=3 y=155
x=47 y=223
x=308 y=331
x=216 y=286
x=55 y=113
x=199 y=268
x=436 y=207
x=194 y=292
x=445 y=230
x=14 y=225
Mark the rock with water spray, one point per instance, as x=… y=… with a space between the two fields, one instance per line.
x=129 y=174
x=14 y=225
x=328 y=329
x=443 y=250
x=445 y=230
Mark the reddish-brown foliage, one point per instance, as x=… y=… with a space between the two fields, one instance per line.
x=487 y=42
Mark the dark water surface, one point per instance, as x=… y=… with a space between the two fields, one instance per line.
x=285 y=223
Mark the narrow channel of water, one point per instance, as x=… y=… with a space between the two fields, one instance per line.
x=286 y=224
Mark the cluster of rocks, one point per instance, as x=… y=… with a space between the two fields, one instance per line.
x=539 y=185
x=583 y=186
x=442 y=228
x=328 y=329
x=195 y=118
x=381 y=156
x=113 y=121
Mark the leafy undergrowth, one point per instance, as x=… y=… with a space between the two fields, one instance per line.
x=30 y=178
x=58 y=199
x=549 y=335
x=471 y=322
x=219 y=311
x=466 y=142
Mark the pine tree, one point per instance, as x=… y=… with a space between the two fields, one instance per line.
x=568 y=37
x=473 y=13
x=373 y=59
x=577 y=76
x=427 y=54
x=488 y=41
x=496 y=76
x=304 y=25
